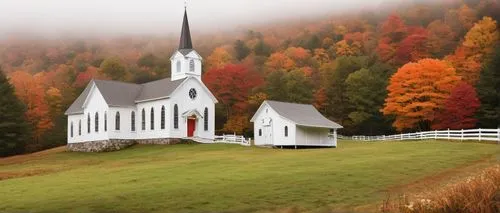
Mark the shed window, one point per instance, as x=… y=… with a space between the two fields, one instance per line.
x=152 y=118
x=88 y=123
x=205 y=119
x=286 y=131
x=132 y=121
x=79 y=127
x=117 y=121
x=96 y=122
x=143 y=120
x=71 y=129
x=176 y=117
x=162 y=122
x=260 y=132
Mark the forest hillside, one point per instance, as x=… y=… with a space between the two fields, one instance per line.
x=407 y=67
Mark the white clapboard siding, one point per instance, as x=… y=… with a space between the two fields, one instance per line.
x=468 y=134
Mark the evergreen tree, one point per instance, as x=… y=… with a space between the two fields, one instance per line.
x=241 y=49
x=14 y=130
x=488 y=90
x=262 y=49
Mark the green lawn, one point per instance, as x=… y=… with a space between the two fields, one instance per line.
x=233 y=178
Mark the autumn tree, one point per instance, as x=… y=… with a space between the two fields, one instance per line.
x=459 y=109
x=29 y=89
x=489 y=92
x=441 y=39
x=481 y=39
x=417 y=91
x=232 y=85
x=114 y=68
x=279 y=61
x=478 y=45
x=218 y=59
x=14 y=130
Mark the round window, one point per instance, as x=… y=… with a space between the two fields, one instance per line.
x=192 y=93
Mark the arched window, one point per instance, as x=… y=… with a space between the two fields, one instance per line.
x=117 y=121
x=79 y=127
x=132 y=120
x=143 y=121
x=191 y=65
x=152 y=118
x=205 y=119
x=178 y=66
x=88 y=123
x=260 y=132
x=105 y=121
x=176 y=117
x=96 y=122
x=71 y=129
x=162 y=124
x=286 y=131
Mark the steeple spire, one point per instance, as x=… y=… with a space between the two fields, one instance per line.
x=185 y=42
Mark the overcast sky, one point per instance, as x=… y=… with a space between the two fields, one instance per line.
x=156 y=16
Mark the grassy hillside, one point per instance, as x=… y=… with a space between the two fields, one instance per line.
x=194 y=178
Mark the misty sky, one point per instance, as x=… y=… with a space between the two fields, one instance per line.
x=155 y=16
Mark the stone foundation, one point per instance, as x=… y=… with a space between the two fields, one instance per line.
x=117 y=144
x=100 y=146
x=160 y=141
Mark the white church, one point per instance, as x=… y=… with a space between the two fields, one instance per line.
x=111 y=115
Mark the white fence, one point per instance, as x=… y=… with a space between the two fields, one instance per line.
x=469 y=134
x=233 y=139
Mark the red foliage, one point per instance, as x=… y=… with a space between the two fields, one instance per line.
x=232 y=85
x=459 y=109
x=413 y=47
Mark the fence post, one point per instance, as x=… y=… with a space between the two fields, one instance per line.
x=498 y=134
x=448 y=133
x=401 y=136
x=479 y=134
x=435 y=134
x=462 y=135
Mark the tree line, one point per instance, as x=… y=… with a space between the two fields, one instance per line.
x=418 y=66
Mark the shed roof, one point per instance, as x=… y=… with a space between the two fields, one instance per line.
x=302 y=114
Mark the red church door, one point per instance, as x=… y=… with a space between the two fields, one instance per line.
x=191 y=127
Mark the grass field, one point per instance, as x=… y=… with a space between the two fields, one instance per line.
x=231 y=178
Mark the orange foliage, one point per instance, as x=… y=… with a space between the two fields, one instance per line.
x=417 y=91
x=30 y=91
x=279 y=61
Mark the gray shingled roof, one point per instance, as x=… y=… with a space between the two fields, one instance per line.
x=302 y=114
x=158 y=89
x=126 y=94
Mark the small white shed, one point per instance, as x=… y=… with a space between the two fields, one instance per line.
x=283 y=124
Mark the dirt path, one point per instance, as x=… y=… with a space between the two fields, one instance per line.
x=444 y=177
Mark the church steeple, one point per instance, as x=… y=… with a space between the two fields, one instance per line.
x=186 y=61
x=185 y=41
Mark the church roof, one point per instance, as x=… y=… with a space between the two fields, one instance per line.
x=119 y=94
x=301 y=114
x=185 y=42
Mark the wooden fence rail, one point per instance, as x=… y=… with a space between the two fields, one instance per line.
x=233 y=139
x=467 y=134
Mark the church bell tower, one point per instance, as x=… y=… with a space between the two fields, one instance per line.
x=185 y=61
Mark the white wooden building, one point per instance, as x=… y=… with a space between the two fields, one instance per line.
x=281 y=124
x=110 y=115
